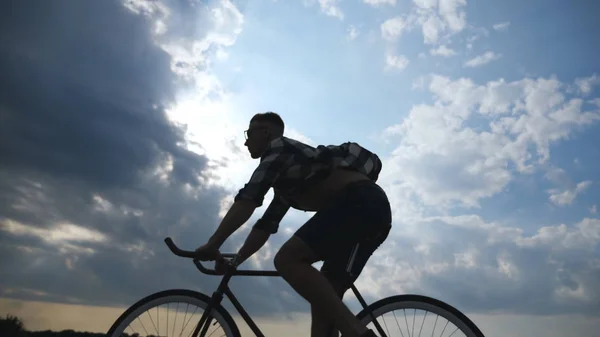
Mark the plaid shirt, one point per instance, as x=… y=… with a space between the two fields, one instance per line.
x=290 y=166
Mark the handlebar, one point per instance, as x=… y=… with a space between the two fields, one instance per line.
x=188 y=253
x=192 y=254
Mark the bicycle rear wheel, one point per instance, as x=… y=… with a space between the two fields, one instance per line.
x=174 y=312
x=416 y=315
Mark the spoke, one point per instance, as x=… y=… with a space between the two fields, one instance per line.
x=167 y=320
x=406 y=320
x=132 y=329
x=175 y=323
x=444 y=328
x=398 y=324
x=424 y=317
x=386 y=328
x=184 y=317
x=215 y=329
x=186 y=323
x=143 y=326
x=435 y=325
x=192 y=331
x=149 y=324
x=413 y=326
x=453 y=332
x=209 y=317
x=151 y=320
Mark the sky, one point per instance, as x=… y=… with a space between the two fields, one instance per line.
x=121 y=123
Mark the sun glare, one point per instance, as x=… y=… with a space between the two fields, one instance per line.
x=213 y=130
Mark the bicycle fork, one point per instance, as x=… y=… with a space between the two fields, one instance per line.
x=215 y=301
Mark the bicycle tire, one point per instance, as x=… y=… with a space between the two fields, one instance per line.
x=177 y=295
x=382 y=306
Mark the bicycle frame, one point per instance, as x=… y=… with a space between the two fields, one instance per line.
x=224 y=290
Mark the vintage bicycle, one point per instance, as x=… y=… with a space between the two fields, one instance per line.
x=157 y=314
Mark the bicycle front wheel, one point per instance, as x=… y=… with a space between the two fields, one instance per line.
x=174 y=312
x=416 y=315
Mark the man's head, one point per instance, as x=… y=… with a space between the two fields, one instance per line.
x=264 y=127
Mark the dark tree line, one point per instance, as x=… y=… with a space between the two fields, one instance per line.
x=12 y=326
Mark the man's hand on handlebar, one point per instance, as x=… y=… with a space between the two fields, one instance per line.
x=208 y=252
x=221 y=266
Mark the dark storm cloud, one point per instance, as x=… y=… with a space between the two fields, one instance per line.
x=78 y=86
x=82 y=133
x=81 y=100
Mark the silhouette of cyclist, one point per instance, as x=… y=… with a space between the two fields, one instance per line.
x=352 y=218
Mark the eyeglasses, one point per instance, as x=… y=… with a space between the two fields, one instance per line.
x=248 y=133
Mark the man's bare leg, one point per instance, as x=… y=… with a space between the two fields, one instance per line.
x=294 y=263
x=322 y=325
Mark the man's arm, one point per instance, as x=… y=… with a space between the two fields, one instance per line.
x=238 y=214
x=264 y=227
x=248 y=198
x=255 y=240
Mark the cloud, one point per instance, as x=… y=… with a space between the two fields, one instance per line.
x=566 y=197
x=392 y=29
x=437 y=20
x=352 y=33
x=472 y=139
x=503 y=26
x=449 y=19
x=482 y=59
x=492 y=268
x=328 y=7
x=453 y=15
x=331 y=8
x=477 y=33
x=60 y=233
x=377 y=3
x=192 y=48
x=398 y=62
x=487 y=267
x=85 y=130
x=97 y=167
x=566 y=190
x=419 y=83
x=585 y=85
x=432 y=27
x=132 y=103
x=442 y=51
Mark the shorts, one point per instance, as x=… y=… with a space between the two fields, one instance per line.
x=345 y=233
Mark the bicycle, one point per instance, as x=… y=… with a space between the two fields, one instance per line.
x=212 y=305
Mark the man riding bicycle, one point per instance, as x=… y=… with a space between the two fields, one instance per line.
x=352 y=219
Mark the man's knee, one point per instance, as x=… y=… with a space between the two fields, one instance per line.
x=281 y=260
x=294 y=251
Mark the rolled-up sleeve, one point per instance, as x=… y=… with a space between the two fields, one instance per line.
x=265 y=175
x=270 y=220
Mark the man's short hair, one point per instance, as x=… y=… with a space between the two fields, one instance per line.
x=269 y=117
